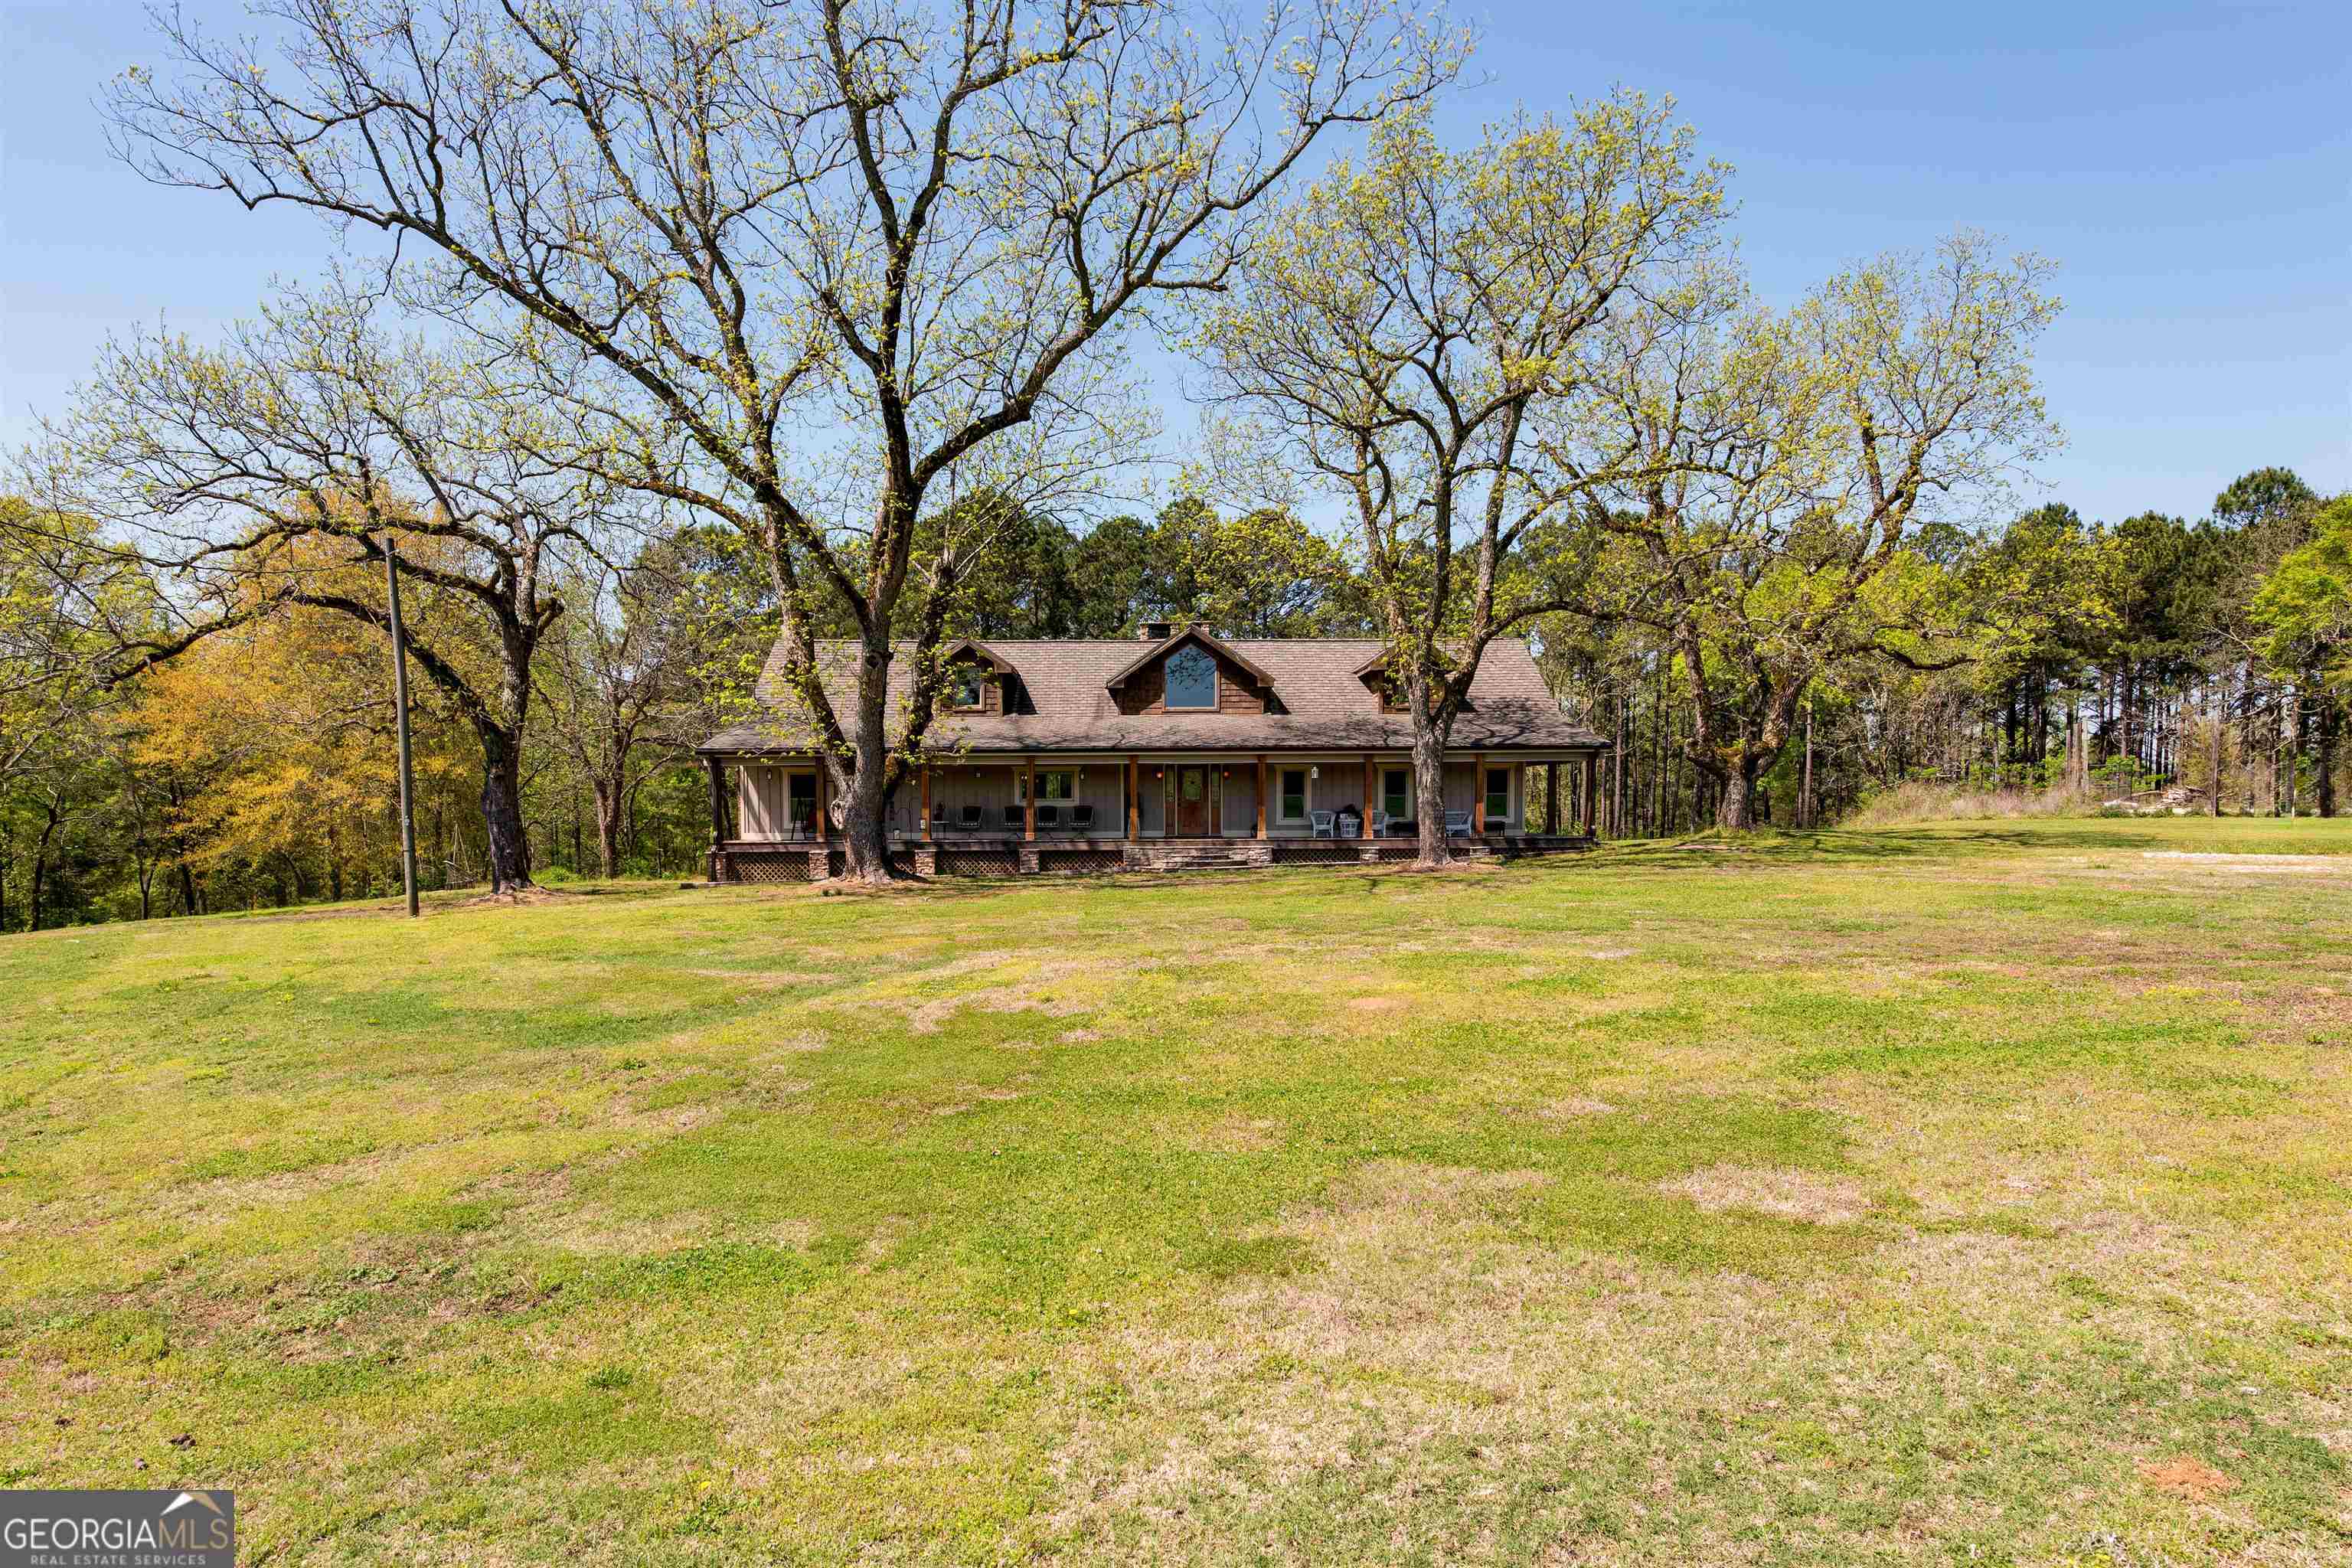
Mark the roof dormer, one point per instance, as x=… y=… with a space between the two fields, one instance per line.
x=977 y=679
x=1191 y=673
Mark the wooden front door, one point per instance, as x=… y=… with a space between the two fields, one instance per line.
x=1193 y=803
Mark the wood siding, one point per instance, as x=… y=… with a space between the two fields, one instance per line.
x=1145 y=690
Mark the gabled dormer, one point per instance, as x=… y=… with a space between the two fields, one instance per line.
x=1189 y=671
x=978 y=680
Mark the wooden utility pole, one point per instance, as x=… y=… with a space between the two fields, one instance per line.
x=1805 y=788
x=400 y=725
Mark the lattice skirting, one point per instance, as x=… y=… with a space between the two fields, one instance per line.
x=1081 y=861
x=1319 y=852
x=980 y=862
x=768 y=865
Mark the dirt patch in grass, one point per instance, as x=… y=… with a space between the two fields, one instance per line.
x=1792 y=1195
x=1572 y=1108
x=2185 y=1477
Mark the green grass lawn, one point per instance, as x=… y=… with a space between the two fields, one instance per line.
x=1970 y=1194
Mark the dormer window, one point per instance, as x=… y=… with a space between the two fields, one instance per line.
x=1192 y=676
x=968 y=690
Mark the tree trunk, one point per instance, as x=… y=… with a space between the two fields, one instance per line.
x=608 y=793
x=509 y=850
x=41 y=867
x=1736 y=802
x=1429 y=792
x=2220 y=720
x=2324 y=786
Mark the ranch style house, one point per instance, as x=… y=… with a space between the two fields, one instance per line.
x=1174 y=751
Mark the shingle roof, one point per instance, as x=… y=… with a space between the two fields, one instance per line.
x=1327 y=706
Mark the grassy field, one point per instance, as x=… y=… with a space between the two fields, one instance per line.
x=1974 y=1193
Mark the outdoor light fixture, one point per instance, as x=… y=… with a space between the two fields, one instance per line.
x=1315 y=773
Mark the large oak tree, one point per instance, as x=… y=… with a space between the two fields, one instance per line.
x=1414 y=321
x=814 y=268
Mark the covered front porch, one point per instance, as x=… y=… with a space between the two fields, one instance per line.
x=1009 y=814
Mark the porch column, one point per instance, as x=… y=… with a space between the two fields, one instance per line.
x=1029 y=803
x=927 y=802
x=1477 y=792
x=1552 y=798
x=1591 y=766
x=1368 y=796
x=820 y=798
x=1519 y=790
x=1261 y=794
x=718 y=801
x=1134 y=799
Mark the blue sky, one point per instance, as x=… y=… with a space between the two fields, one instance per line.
x=2190 y=168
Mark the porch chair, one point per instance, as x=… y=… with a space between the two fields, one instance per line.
x=1457 y=825
x=803 y=823
x=1082 y=816
x=972 y=819
x=1380 y=823
x=938 y=826
x=1048 y=817
x=1322 y=825
x=1015 y=818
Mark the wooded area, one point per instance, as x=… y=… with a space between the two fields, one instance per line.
x=736 y=330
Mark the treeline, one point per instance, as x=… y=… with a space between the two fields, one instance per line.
x=2197 y=665
x=255 y=768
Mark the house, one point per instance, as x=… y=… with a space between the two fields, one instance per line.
x=1176 y=749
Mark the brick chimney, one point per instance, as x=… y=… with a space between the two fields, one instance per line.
x=1156 y=631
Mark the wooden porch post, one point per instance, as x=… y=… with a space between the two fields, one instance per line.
x=1134 y=799
x=1261 y=794
x=1478 y=793
x=1368 y=796
x=717 y=802
x=820 y=798
x=926 y=800
x=1519 y=789
x=1552 y=798
x=1592 y=765
x=1029 y=803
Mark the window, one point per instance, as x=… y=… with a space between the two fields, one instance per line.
x=1395 y=793
x=801 y=797
x=1055 y=785
x=1192 y=679
x=1294 y=794
x=1498 y=795
x=968 y=690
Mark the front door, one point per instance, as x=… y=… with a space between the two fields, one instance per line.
x=1193 y=803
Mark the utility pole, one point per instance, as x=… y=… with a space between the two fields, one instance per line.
x=1805 y=787
x=400 y=707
